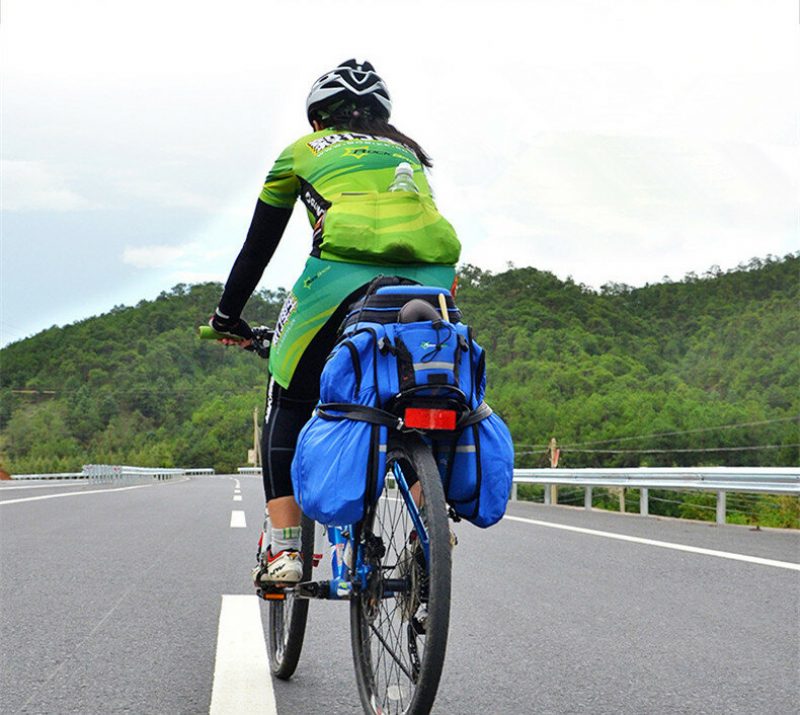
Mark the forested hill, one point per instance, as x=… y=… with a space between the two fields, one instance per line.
x=702 y=371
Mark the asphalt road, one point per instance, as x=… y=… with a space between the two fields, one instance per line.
x=110 y=602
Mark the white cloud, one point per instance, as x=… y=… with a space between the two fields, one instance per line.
x=629 y=209
x=158 y=256
x=37 y=186
x=198 y=277
x=169 y=192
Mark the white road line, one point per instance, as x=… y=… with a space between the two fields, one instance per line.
x=76 y=483
x=242 y=681
x=237 y=497
x=238 y=520
x=236 y=481
x=662 y=544
x=74 y=494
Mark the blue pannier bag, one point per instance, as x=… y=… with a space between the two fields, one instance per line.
x=477 y=470
x=380 y=364
x=338 y=469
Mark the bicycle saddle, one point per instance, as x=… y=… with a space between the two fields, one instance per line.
x=416 y=311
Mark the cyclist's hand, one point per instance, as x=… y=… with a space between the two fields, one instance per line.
x=237 y=327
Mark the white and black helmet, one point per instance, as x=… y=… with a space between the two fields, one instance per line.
x=356 y=82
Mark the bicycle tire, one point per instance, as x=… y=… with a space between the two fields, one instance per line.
x=287 y=618
x=390 y=680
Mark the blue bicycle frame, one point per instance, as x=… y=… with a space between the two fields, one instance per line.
x=340 y=538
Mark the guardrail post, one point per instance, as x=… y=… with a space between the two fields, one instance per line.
x=587 y=498
x=644 y=501
x=514 y=495
x=547 y=494
x=721 y=507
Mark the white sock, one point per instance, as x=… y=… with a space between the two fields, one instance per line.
x=283 y=539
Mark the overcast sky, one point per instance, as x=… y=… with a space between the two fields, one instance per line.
x=605 y=140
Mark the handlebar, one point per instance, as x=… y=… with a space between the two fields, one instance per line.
x=262 y=338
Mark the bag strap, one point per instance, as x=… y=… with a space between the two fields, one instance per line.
x=359 y=413
x=406 y=379
x=376 y=416
x=480 y=413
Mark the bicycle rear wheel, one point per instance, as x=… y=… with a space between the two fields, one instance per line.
x=287 y=617
x=399 y=640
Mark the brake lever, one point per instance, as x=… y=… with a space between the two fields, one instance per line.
x=261 y=341
x=260 y=347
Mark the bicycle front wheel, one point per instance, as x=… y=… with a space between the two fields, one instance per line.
x=287 y=617
x=399 y=623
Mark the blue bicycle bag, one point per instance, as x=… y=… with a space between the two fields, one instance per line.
x=373 y=364
x=477 y=469
x=377 y=364
x=338 y=469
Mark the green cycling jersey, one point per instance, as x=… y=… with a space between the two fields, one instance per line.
x=342 y=178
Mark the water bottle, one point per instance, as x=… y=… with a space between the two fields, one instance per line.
x=404 y=179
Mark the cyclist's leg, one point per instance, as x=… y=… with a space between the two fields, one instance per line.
x=286 y=414
x=288 y=409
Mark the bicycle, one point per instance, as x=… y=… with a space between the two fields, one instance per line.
x=394 y=568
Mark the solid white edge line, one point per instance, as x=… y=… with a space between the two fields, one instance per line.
x=74 y=494
x=237 y=520
x=242 y=679
x=661 y=544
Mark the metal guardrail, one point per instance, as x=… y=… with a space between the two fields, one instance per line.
x=721 y=480
x=108 y=472
x=58 y=475
x=765 y=480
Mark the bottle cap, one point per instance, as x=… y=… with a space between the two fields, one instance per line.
x=404 y=168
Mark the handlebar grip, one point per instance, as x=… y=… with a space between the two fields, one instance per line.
x=208 y=333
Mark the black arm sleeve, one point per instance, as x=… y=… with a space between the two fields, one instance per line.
x=266 y=229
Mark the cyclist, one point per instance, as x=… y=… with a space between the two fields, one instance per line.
x=341 y=172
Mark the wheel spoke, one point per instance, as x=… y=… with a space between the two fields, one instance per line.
x=398 y=669
x=388 y=649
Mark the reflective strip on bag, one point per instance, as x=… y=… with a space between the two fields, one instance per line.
x=433 y=366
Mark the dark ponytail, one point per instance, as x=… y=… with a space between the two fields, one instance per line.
x=362 y=119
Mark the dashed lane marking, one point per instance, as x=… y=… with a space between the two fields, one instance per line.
x=242 y=681
x=238 y=520
x=661 y=544
x=73 y=494
x=237 y=497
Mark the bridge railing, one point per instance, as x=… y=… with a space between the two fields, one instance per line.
x=720 y=480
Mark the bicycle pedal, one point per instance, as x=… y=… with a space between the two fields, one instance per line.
x=271 y=593
x=312 y=589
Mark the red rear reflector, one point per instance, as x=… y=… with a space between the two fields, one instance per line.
x=420 y=418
